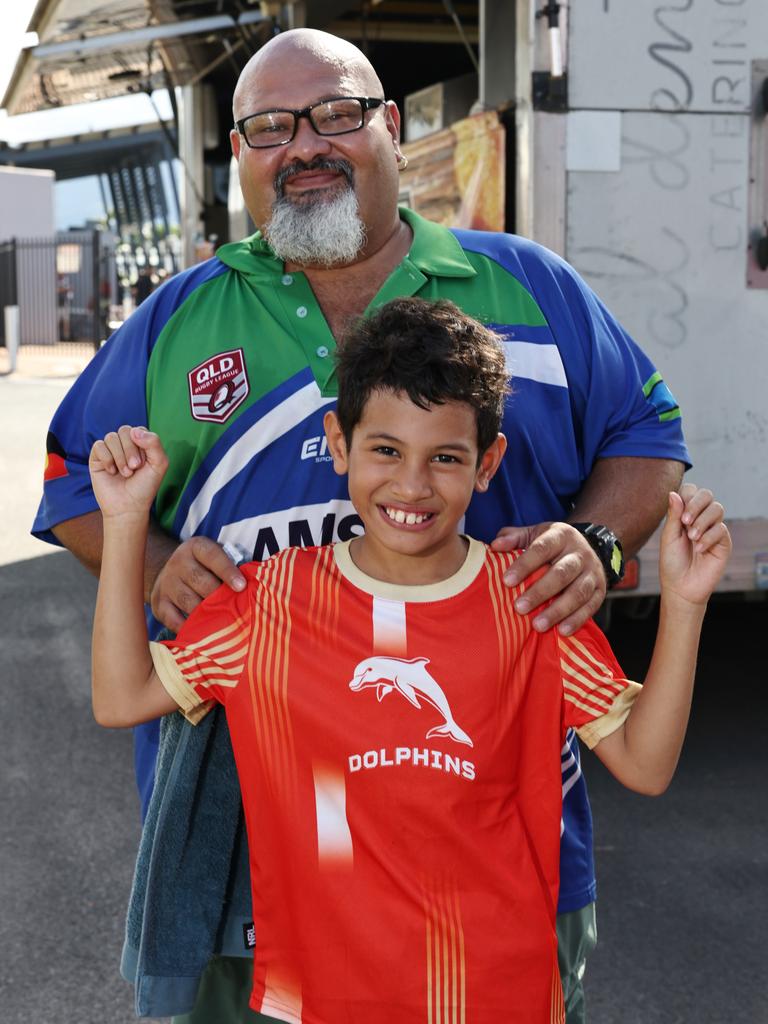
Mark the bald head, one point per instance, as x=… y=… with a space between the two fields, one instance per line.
x=302 y=48
x=303 y=181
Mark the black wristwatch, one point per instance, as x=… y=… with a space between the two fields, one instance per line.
x=607 y=547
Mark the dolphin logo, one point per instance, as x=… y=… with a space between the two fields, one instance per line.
x=411 y=679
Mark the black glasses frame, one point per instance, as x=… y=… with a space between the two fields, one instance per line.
x=366 y=103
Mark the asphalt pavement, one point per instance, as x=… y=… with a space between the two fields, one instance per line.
x=683 y=878
x=68 y=807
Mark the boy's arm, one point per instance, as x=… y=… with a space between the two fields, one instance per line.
x=125 y=687
x=83 y=536
x=695 y=546
x=177 y=576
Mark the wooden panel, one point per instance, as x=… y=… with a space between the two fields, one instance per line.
x=456 y=176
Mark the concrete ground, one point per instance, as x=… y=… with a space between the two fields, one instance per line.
x=682 y=879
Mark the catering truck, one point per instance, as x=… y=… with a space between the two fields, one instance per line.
x=637 y=147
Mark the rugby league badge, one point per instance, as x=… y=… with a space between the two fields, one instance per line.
x=218 y=386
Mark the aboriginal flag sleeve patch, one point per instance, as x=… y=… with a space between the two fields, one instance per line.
x=55 y=464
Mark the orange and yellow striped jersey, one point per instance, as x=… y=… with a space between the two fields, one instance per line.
x=399 y=758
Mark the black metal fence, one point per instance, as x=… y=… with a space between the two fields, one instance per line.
x=64 y=288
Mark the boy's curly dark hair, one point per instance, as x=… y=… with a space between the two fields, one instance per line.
x=430 y=351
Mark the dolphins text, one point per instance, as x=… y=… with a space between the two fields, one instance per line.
x=416 y=756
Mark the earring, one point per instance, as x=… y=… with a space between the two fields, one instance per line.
x=402 y=162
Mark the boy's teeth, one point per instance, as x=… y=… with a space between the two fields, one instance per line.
x=410 y=518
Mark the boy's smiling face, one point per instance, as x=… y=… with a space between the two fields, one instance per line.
x=412 y=473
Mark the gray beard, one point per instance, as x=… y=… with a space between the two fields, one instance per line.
x=316 y=231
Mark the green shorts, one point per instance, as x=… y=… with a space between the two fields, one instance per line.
x=225 y=987
x=576 y=938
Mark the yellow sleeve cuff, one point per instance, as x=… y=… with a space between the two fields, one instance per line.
x=592 y=732
x=191 y=705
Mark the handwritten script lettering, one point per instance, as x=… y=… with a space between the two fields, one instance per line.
x=667 y=98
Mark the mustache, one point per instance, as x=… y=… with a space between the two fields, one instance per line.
x=318 y=164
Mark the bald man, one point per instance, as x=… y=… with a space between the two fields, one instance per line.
x=231 y=363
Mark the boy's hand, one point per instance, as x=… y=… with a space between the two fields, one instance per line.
x=126 y=470
x=695 y=545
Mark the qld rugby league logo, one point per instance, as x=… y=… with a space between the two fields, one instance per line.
x=218 y=386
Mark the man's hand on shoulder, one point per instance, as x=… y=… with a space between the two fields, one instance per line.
x=193 y=571
x=575 y=580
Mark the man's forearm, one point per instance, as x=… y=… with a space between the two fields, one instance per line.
x=84 y=537
x=628 y=495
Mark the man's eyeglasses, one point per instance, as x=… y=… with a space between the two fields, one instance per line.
x=331 y=117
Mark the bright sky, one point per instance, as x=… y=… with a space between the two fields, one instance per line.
x=16 y=17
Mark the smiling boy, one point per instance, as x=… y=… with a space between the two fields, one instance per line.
x=397 y=725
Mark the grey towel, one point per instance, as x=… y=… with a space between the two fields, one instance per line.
x=191 y=889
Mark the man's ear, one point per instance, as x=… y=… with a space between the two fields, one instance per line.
x=337 y=444
x=235 y=141
x=392 y=119
x=490 y=462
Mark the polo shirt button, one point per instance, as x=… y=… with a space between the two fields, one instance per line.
x=301 y=312
x=322 y=351
x=287 y=279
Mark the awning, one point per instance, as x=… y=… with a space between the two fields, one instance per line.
x=90 y=51
x=87 y=52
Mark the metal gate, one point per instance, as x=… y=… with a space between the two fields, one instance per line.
x=63 y=287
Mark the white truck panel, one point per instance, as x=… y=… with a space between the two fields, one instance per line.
x=664 y=224
x=674 y=55
x=662 y=242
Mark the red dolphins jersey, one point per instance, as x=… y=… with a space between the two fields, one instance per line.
x=398 y=752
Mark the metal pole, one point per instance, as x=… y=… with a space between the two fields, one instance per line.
x=12 y=334
x=191 y=157
x=96 y=276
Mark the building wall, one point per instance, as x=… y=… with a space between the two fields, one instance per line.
x=27 y=213
x=26 y=203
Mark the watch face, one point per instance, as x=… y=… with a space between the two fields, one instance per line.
x=617 y=561
x=607 y=547
x=611 y=556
